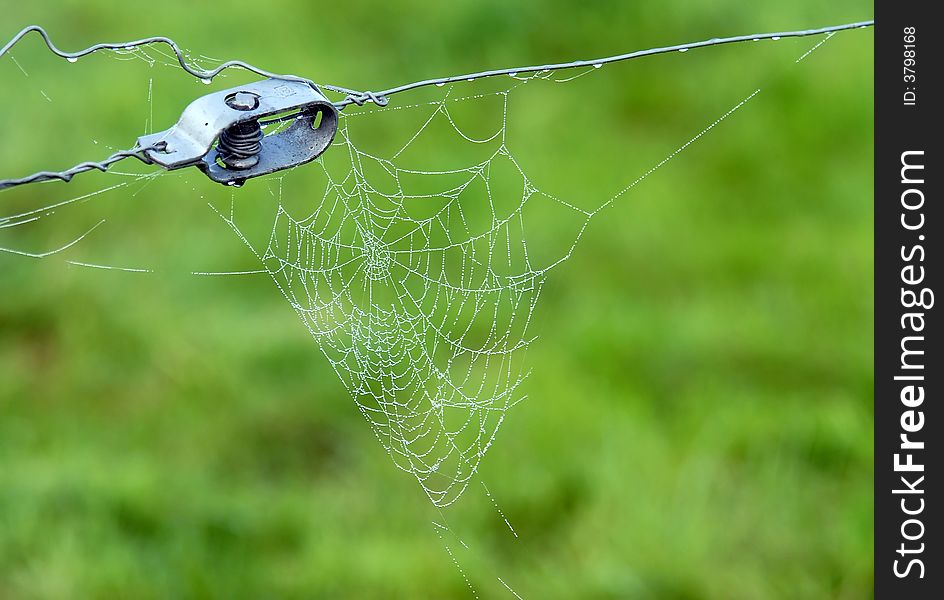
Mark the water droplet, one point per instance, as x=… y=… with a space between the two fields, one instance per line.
x=512 y=74
x=72 y=59
x=598 y=65
x=470 y=79
x=206 y=80
x=683 y=49
x=440 y=83
x=756 y=39
x=775 y=38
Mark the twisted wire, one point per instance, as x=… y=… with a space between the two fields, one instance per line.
x=67 y=174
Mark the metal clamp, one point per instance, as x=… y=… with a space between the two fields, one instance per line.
x=230 y=119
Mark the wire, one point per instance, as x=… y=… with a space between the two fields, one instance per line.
x=359 y=97
x=67 y=175
x=230 y=64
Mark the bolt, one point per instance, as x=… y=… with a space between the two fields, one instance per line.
x=242 y=101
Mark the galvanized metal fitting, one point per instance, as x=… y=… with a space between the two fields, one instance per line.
x=221 y=133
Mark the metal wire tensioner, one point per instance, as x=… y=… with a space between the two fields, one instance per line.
x=232 y=119
x=221 y=133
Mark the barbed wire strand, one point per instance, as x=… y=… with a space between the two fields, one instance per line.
x=352 y=96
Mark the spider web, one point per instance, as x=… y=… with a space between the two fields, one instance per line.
x=420 y=296
x=418 y=280
x=420 y=285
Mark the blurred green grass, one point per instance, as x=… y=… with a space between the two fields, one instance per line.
x=699 y=414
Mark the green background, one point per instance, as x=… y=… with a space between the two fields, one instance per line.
x=699 y=415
